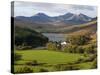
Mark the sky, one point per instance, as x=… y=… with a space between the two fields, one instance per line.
x=51 y=9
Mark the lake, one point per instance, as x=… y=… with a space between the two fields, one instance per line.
x=55 y=36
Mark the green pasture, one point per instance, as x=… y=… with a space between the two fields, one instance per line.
x=49 y=58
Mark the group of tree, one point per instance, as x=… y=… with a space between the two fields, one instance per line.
x=26 y=38
x=79 y=43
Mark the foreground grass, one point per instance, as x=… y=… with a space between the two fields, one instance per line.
x=49 y=58
x=83 y=66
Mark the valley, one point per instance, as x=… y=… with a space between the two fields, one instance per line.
x=61 y=43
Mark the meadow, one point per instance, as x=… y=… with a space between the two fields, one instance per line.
x=48 y=60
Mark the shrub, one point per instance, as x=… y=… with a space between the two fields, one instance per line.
x=72 y=67
x=86 y=54
x=32 y=63
x=73 y=49
x=67 y=67
x=90 y=58
x=43 y=70
x=65 y=49
x=51 y=46
x=79 y=39
x=25 y=69
x=70 y=48
x=17 y=57
x=79 y=61
x=94 y=65
x=79 y=49
x=90 y=49
x=58 y=67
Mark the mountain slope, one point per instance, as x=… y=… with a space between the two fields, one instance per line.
x=90 y=26
x=27 y=37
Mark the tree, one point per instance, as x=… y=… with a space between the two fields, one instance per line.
x=78 y=39
x=90 y=48
x=26 y=38
x=70 y=48
x=51 y=46
x=79 y=49
x=43 y=70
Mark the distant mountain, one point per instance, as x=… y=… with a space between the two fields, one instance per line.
x=95 y=18
x=67 y=19
x=76 y=19
x=84 y=17
x=63 y=17
x=38 y=18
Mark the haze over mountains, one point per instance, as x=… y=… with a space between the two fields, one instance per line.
x=69 y=19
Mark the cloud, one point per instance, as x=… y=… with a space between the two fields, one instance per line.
x=30 y=8
x=82 y=7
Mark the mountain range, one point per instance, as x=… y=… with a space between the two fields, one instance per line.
x=67 y=19
x=66 y=23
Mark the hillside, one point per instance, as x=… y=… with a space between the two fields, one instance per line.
x=58 y=29
x=25 y=37
x=88 y=27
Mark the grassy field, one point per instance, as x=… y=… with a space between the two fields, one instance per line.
x=50 y=58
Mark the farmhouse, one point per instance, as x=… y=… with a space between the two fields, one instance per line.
x=63 y=44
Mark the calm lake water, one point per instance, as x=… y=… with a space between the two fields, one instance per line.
x=55 y=36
